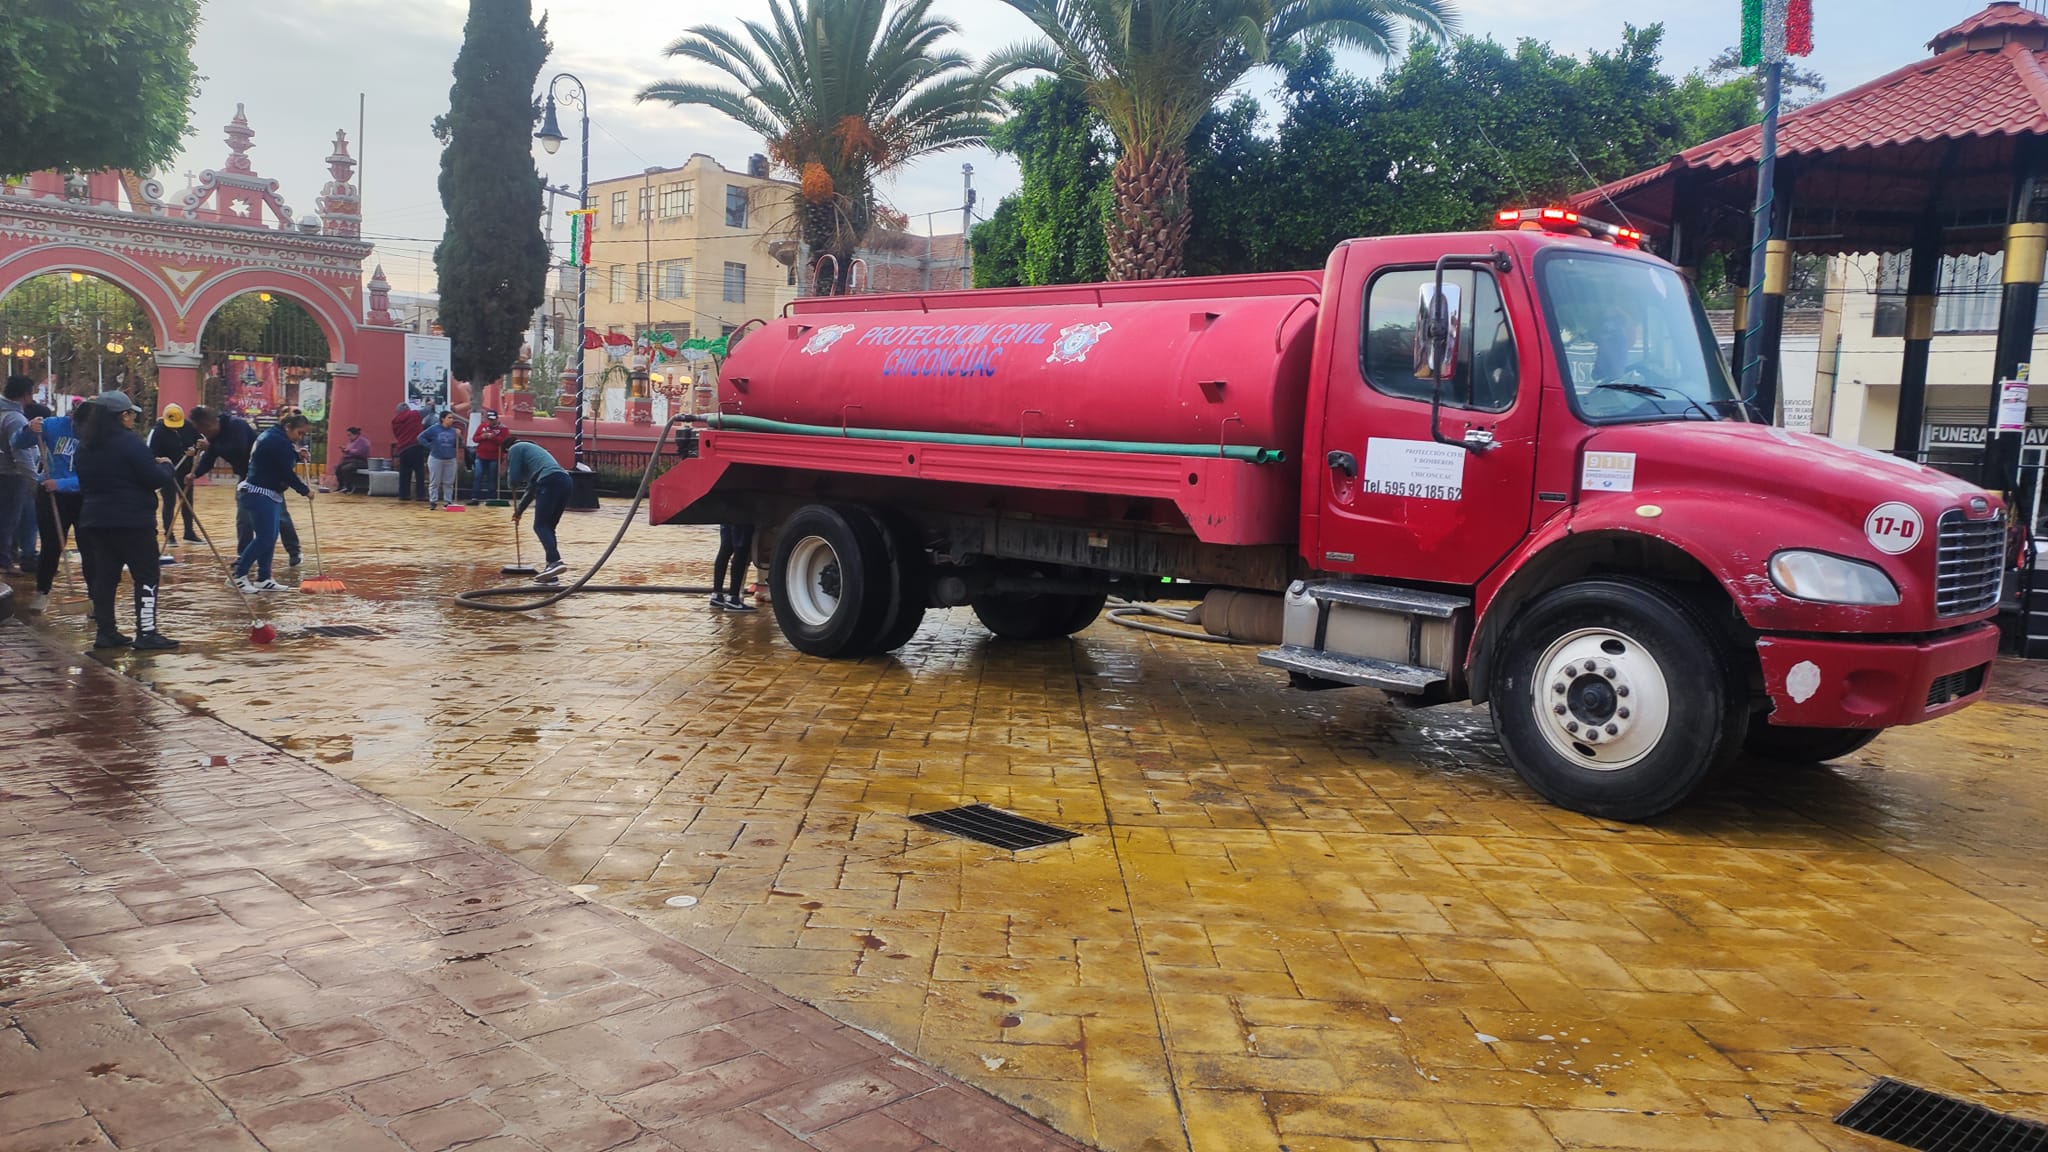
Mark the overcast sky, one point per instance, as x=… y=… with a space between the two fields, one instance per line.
x=298 y=67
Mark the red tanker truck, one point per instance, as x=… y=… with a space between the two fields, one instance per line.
x=1505 y=467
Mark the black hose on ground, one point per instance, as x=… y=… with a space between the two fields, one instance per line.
x=479 y=598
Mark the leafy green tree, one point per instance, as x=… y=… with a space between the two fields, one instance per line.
x=844 y=92
x=1154 y=68
x=999 y=246
x=1060 y=206
x=93 y=84
x=492 y=259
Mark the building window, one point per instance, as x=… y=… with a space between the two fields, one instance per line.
x=1890 y=313
x=646 y=202
x=735 y=206
x=735 y=283
x=678 y=199
x=640 y=280
x=672 y=280
x=618 y=294
x=618 y=208
x=1968 y=298
x=725 y=330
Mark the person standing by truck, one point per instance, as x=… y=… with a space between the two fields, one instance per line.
x=735 y=548
x=547 y=490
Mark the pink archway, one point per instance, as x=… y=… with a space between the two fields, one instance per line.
x=184 y=256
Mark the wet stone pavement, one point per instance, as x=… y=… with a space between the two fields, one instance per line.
x=1311 y=922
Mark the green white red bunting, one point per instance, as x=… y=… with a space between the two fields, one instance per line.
x=1775 y=29
x=579 y=236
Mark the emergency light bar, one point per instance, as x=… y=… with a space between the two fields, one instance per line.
x=1567 y=222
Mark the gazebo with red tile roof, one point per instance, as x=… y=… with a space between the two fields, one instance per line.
x=1947 y=155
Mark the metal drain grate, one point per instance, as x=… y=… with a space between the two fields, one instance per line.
x=342 y=631
x=1932 y=1122
x=994 y=826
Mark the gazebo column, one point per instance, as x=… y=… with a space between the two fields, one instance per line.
x=2026 y=252
x=1738 y=274
x=1923 y=279
x=1770 y=325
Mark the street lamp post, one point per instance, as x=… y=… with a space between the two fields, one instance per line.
x=550 y=137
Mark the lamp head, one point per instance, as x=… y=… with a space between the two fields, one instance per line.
x=550 y=134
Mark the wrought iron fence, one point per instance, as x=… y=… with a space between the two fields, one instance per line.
x=618 y=471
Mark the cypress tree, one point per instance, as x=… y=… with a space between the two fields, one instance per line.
x=492 y=260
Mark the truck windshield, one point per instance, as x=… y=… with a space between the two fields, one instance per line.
x=1633 y=342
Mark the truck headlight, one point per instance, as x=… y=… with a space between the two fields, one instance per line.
x=1831 y=579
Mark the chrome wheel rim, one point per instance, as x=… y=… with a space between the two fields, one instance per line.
x=1601 y=699
x=814 y=581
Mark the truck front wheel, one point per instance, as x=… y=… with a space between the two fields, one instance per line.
x=830 y=582
x=1040 y=616
x=1612 y=698
x=1781 y=744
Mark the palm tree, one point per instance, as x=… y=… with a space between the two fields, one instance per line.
x=843 y=91
x=1153 y=68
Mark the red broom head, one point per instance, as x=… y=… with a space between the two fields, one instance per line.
x=262 y=634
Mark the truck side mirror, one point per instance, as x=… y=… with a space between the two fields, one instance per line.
x=1437 y=321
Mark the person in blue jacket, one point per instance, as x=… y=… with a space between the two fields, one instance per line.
x=57 y=496
x=547 y=487
x=118 y=481
x=273 y=467
x=226 y=436
x=443 y=443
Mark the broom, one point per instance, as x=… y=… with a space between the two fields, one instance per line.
x=321 y=582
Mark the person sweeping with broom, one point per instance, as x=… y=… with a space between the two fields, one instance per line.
x=273 y=467
x=547 y=490
x=118 y=481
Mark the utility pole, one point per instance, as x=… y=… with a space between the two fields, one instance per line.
x=966 y=225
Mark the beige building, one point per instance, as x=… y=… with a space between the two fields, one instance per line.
x=696 y=250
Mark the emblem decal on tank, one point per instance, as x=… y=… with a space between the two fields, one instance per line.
x=1074 y=342
x=824 y=338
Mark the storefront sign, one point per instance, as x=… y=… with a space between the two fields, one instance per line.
x=1973 y=435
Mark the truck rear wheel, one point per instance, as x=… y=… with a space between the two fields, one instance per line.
x=830 y=582
x=1037 y=616
x=1612 y=698
x=1780 y=744
x=909 y=581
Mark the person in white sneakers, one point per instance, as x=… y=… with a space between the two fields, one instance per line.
x=547 y=488
x=273 y=468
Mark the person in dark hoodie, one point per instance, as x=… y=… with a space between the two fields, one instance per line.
x=119 y=481
x=273 y=467
x=230 y=438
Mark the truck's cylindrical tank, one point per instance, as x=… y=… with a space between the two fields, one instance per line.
x=1222 y=360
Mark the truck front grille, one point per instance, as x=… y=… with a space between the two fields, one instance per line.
x=1969 y=564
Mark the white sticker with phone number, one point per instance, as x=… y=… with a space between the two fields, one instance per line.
x=1417 y=469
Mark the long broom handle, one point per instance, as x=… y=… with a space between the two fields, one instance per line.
x=247 y=605
x=57 y=515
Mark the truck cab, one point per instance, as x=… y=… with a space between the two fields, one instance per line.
x=1508 y=467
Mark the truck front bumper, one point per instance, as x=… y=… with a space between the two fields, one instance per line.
x=1884 y=684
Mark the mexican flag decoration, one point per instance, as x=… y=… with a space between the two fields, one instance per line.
x=1775 y=29
x=579 y=236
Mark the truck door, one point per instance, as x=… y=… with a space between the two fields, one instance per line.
x=1397 y=503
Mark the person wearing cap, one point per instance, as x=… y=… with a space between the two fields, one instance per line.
x=118 y=481
x=488 y=443
x=355 y=459
x=174 y=438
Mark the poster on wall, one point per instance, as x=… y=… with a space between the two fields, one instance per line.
x=312 y=393
x=252 y=386
x=427 y=370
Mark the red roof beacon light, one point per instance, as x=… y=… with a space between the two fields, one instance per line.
x=1567 y=222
